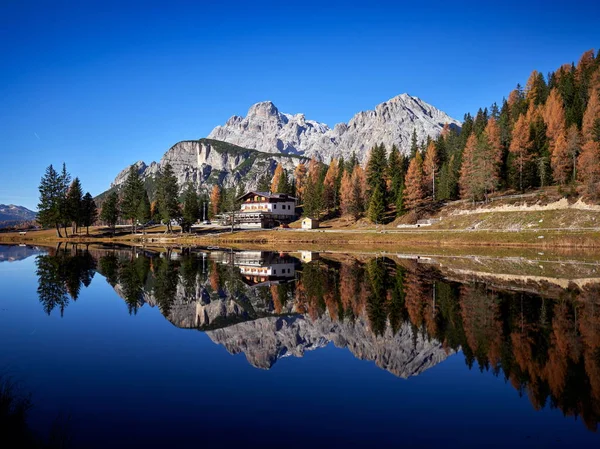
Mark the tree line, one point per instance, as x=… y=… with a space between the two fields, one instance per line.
x=547 y=133
x=62 y=203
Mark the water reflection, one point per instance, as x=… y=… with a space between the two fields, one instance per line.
x=537 y=324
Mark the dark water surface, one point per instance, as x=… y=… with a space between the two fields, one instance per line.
x=122 y=347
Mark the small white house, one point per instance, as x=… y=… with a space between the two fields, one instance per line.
x=310 y=223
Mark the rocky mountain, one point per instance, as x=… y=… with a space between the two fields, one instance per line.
x=11 y=214
x=247 y=147
x=206 y=162
x=266 y=129
x=242 y=319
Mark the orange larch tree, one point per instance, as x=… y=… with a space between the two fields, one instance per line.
x=276 y=177
x=300 y=180
x=468 y=171
x=413 y=190
x=330 y=193
x=562 y=164
x=430 y=170
x=520 y=147
x=215 y=199
x=554 y=117
x=346 y=194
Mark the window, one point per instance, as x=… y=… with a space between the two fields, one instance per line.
x=274 y=271
x=274 y=206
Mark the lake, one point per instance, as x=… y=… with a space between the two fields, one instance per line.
x=132 y=347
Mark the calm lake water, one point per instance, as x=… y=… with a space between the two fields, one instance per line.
x=121 y=347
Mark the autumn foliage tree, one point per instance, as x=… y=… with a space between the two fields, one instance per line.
x=414 y=194
x=276 y=177
x=215 y=200
x=430 y=169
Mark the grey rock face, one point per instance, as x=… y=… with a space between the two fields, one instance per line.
x=266 y=340
x=266 y=129
x=205 y=163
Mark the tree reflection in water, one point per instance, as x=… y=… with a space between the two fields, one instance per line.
x=544 y=341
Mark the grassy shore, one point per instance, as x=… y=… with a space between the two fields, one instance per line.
x=383 y=239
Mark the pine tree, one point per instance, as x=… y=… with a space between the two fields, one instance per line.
x=352 y=162
x=90 y=212
x=132 y=196
x=264 y=183
x=191 y=208
x=74 y=205
x=395 y=173
x=414 y=144
x=65 y=182
x=50 y=200
x=376 y=210
x=110 y=211
x=588 y=168
x=144 y=211
x=359 y=191
x=413 y=191
x=167 y=192
x=283 y=185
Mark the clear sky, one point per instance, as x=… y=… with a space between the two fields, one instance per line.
x=100 y=85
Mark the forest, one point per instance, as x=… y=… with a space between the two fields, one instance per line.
x=545 y=134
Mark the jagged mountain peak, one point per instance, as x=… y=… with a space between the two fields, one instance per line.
x=267 y=129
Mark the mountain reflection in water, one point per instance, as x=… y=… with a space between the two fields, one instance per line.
x=541 y=332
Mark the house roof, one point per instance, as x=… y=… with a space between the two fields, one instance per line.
x=268 y=195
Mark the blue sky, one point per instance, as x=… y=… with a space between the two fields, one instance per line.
x=100 y=85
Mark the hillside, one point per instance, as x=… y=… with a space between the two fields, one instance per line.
x=11 y=215
x=206 y=162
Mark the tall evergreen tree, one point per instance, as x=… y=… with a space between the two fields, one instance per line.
x=167 y=192
x=264 y=183
x=191 y=208
x=89 y=212
x=50 y=200
x=414 y=144
x=132 y=195
x=144 y=211
x=395 y=173
x=74 y=205
x=65 y=182
x=110 y=211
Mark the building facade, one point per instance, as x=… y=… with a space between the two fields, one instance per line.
x=265 y=209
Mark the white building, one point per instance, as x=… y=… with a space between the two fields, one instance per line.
x=266 y=210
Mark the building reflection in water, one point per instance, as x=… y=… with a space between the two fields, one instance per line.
x=537 y=324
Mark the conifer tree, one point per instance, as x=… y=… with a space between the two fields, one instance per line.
x=167 y=192
x=144 y=211
x=50 y=200
x=279 y=171
x=430 y=170
x=346 y=192
x=300 y=181
x=191 y=208
x=469 y=175
x=413 y=191
x=90 y=212
x=215 y=200
x=283 y=185
x=562 y=164
x=132 y=196
x=64 y=183
x=264 y=183
x=414 y=144
x=554 y=117
x=110 y=211
x=376 y=210
x=330 y=192
x=395 y=173
x=74 y=205
x=520 y=148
